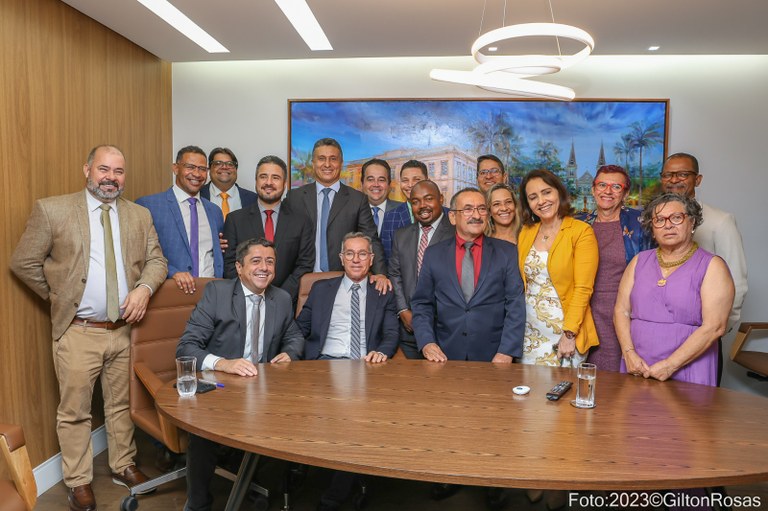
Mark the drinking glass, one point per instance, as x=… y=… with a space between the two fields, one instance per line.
x=186 y=376
x=585 y=392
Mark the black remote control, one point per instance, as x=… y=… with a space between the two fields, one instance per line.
x=558 y=390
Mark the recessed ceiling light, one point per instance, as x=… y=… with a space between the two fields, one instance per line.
x=305 y=23
x=493 y=48
x=653 y=48
x=183 y=24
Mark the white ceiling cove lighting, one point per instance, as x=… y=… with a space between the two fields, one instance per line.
x=183 y=24
x=509 y=74
x=305 y=23
x=654 y=48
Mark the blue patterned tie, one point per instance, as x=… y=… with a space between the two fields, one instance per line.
x=326 y=208
x=375 y=210
x=354 y=333
x=194 y=243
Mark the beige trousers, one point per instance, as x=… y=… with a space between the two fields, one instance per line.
x=80 y=356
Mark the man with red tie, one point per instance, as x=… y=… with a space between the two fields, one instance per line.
x=273 y=219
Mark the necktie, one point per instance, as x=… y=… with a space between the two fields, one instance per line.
x=255 y=326
x=269 y=226
x=225 y=203
x=468 y=272
x=423 y=242
x=110 y=265
x=375 y=210
x=354 y=332
x=194 y=234
x=325 y=209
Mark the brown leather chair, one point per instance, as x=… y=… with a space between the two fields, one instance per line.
x=306 y=282
x=756 y=362
x=20 y=492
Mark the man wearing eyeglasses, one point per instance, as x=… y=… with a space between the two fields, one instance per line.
x=188 y=225
x=490 y=171
x=223 y=189
x=347 y=318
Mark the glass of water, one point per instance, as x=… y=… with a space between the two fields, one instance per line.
x=585 y=392
x=186 y=376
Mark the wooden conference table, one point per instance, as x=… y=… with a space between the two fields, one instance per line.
x=459 y=422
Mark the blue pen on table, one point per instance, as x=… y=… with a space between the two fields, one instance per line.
x=211 y=382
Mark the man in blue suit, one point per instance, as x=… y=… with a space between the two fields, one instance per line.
x=223 y=189
x=411 y=173
x=188 y=225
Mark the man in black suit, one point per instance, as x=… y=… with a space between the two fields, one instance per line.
x=408 y=249
x=223 y=189
x=334 y=209
x=376 y=178
x=268 y=218
x=237 y=324
x=347 y=318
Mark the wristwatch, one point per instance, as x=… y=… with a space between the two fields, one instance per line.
x=568 y=334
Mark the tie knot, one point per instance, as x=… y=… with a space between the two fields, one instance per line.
x=192 y=201
x=327 y=191
x=255 y=299
x=355 y=287
x=468 y=245
x=224 y=195
x=105 y=207
x=426 y=228
x=268 y=212
x=376 y=210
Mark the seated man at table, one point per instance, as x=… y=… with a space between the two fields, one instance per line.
x=237 y=324
x=346 y=318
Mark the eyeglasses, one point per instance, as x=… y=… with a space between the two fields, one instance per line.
x=349 y=255
x=190 y=167
x=601 y=186
x=682 y=175
x=225 y=164
x=674 y=219
x=489 y=172
x=469 y=210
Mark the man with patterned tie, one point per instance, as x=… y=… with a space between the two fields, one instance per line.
x=223 y=189
x=347 y=318
x=376 y=177
x=188 y=225
x=269 y=218
x=237 y=324
x=99 y=252
x=408 y=250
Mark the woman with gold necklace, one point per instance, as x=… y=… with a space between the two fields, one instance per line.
x=674 y=301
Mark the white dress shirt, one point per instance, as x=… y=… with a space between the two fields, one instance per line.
x=204 y=237
x=430 y=234
x=339 y=339
x=275 y=215
x=233 y=200
x=93 y=305
x=382 y=209
x=319 y=189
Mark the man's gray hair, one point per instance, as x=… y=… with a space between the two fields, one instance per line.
x=353 y=235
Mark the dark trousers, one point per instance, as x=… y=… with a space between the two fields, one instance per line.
x=339 y=489
x=408 y=345
x=202 y=459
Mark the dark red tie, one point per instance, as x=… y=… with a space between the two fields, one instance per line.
x=269 y=226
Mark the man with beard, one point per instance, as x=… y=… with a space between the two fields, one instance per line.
x=273 y=220
x=187 y=224
x=408 y=250
x=223 y=189
x=99 y=252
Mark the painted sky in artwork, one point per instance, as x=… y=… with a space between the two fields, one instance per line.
x=369 y=128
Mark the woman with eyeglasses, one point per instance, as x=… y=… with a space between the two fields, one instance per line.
x=619 y=238
x=674 y=301
x=558 y=259
x=504 y=213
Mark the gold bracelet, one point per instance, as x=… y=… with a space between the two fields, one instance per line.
x=628 y=350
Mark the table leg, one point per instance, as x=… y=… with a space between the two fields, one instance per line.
x=243 y=479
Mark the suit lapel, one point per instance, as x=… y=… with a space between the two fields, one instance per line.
x=485 y=264
x=175 y=209
x=84 y=225
x=238 y=311
x=371 y=302
x=326 y=308
x=566 y=224
x=309 y=196
x=269 y=324
x=338 y=202
x=125 y=225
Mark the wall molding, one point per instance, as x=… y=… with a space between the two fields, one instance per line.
x=48 y=474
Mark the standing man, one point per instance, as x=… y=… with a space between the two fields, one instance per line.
x=237 y=324
x=334 y=209
x=490 y=171
x=223 y=189
x=376 y=178
x=187 y=224
x=347 y=318
x=717 y=234
x=268 y=218
x=408 y=250
x=411 y=173
x=96 y=258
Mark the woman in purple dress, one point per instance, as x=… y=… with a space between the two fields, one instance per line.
x=673 y=302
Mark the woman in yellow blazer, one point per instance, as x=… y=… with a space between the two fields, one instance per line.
x=558 y=258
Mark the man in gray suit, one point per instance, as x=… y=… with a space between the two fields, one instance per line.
x=237 y=324
x=408 y=249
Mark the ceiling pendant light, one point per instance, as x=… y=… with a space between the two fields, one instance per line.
x=509 y=73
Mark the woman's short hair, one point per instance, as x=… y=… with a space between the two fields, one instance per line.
x=613 y=169
x=490 y=228
x=529 y=217
x=692 y=209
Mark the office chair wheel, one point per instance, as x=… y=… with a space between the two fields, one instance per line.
x=361 y=500
x=129 y=503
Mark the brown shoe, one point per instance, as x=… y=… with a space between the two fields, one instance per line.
x=81 y=498
x=130 y=477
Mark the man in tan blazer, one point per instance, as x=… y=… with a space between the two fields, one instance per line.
x=96 y=258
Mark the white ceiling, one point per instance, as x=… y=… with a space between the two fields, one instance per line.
x=258 y=30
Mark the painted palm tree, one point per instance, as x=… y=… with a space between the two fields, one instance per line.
x=624 y=150
x=497 y=136
x=643 y=137
x=547 y=155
